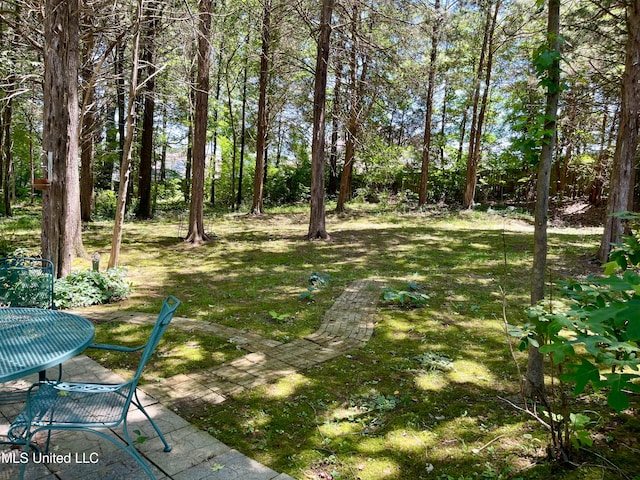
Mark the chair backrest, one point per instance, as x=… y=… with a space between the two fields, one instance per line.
x=169 y=307
x=26 y=282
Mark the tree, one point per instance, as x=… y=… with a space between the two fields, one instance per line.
x=477 y=119
x=125 y=170
x=263 y=114
x=548 y=67
x=196 y=232
x=358 y=111
x=152 y=17
x=426 y=145
x=317 y=226
x=622 y=177
x=88 y=128
x=61 y=227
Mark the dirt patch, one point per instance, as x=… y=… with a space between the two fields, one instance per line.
x=576 y=213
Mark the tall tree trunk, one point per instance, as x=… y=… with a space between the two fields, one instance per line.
x=125 y=166
x=87 y=132
x=196 y=233
x=332 y=187
x=120 y=99
x=189 y=159
x=443 y=123
x=426 y=142
x=263 y=117
x=7 y=115
x=622 y=176
x=243 y=124
x=535 y=372
x=597 y=186
x=61 y=226
x=317 y=226
x=233 y=129
x=470 y=183
x=477 y=124
x=216 y=109
x=356 y=117
x=165 y=145
x=152 y=14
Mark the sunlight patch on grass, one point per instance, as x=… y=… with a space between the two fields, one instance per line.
x=286 y=386
x=378 y=468
x=431 y=381
x=408 y=441
x=339 y=429
x=467 y=371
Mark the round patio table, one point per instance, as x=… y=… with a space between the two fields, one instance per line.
x=34 y=339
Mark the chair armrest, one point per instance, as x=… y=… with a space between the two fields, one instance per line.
x=116 y=348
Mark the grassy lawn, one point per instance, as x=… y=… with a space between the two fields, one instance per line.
x=424 y=399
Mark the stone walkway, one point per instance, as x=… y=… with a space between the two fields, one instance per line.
x=346 y=326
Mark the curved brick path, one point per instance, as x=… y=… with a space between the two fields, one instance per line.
x=347 y=325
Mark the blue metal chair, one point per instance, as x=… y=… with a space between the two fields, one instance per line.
x=92 y=407
x=26 y=282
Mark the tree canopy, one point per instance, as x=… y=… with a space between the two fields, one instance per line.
x=427 y=101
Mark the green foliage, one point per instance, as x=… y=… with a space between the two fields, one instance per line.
x=431 y=361
x=315 y=281
x=409 y=297
x=594 y=340
x=279 y=317
x=82 y=288
x=105 y=205
x=288 y=184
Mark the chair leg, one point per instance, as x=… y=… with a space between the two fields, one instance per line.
x=136 y=401
x=129 y=448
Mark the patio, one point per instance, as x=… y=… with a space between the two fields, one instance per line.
x=73 y=455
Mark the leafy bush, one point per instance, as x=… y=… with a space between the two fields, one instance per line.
x=105 y=205
x=315 y=281
x=83 y=288
x=409 y=297
x=593 y=341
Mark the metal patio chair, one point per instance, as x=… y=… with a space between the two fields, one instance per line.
x=92 y=407
x=26 y=282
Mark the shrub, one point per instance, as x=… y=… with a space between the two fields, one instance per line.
x=594 y=341
x=105 y=205
x=409 y=297
x=87 y=287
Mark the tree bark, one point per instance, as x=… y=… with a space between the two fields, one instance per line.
x=7 y=164
x=535 y=373
x=196 y=233
x=622 y=176
x=243 y=124
x=263 y=118
x=477 y=122
x=317 y=225
x=125 y=170
x=87 y=132
x=332 y=187
x=216 y=108
x=596 y=191
x=61 y=226
x=356 y=117
x=426 y=141
x=150 y=32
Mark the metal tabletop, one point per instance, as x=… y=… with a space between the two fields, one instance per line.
x=34 y=339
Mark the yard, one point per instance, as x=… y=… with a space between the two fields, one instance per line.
x=432 y=395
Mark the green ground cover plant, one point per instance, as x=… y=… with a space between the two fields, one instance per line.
x=431 y=395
